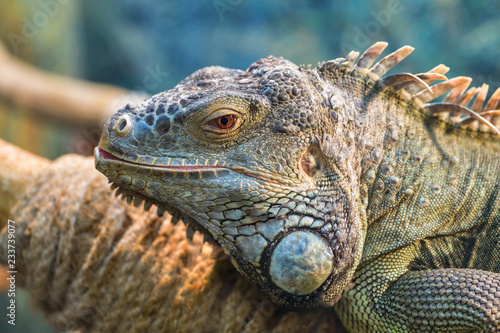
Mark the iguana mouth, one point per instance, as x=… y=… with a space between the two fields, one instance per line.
x=104 y=155
x=192 y=170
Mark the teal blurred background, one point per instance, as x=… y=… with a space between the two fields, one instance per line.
x=151 y=45
x=120 y=42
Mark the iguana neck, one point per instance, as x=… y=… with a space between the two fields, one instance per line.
x=357 y=137
x=396 y=157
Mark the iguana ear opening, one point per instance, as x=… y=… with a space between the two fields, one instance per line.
x=312 y=161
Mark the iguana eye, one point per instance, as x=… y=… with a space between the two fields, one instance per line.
x=224 y=122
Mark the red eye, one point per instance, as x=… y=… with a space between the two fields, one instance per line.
x=225 y=121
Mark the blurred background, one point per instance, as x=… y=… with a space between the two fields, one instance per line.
x=148 y=46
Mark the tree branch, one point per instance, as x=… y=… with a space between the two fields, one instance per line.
x=18 y=169
x=70 y=100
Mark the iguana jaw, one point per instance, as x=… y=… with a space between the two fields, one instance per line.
x=298 y=261
x=135 y=198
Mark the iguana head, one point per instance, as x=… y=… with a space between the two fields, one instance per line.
x=239 y=155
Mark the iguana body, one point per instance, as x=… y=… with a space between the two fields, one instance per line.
x=331 y=185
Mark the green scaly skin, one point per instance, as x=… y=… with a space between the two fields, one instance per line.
x=328 y=190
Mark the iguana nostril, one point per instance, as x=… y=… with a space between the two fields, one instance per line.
x=123 y=125
x=301 y=262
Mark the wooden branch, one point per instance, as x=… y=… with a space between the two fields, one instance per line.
x=70 y=100
x=18 y=169
x=92 y=263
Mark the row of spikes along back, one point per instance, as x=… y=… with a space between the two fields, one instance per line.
x=415 y=87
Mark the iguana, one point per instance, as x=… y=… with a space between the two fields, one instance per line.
x=333 y=185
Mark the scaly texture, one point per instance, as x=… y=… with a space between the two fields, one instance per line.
x=332 y=185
